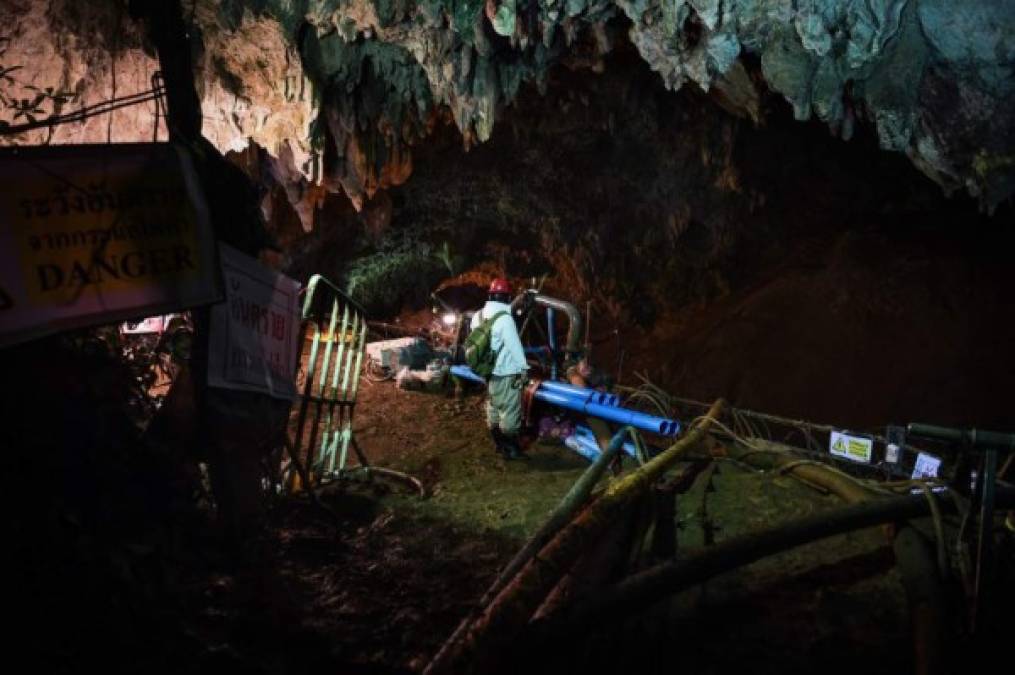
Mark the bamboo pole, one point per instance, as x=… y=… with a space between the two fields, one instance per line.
x=924 y=593
x=640 y=591
x=596 y=567
x=575 y=498
x=505 y=618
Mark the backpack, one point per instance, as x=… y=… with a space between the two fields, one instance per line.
x=479 y=355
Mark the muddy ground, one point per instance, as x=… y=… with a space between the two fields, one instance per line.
x=382 y=593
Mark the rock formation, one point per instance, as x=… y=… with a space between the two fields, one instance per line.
x=339 y=91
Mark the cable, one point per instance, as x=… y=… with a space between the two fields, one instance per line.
x=112 y=68
x=86 y=112
x=158 y=85
x=641 y=454
x=939 y=533
x=761 y=418
x=961 y=552
x=736 y=437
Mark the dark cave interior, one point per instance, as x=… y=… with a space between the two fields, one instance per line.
x=697 y=236
x=800 y=245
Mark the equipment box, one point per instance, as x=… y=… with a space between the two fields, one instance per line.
x=411 y=352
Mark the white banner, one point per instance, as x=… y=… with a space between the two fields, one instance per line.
x=255 y=333
x=98 y=234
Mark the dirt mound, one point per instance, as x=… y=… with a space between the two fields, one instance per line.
x=862 y=329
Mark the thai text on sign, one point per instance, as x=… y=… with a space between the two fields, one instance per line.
x=255 y=332
x=99 y=234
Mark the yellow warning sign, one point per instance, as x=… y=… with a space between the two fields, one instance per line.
x=856 y=448
x=93 y=234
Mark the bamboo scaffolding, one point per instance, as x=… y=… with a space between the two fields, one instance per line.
x=503 y=620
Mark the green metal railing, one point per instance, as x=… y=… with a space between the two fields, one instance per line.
x=332 y=379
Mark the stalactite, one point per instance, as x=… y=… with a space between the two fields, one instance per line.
x=932 y=79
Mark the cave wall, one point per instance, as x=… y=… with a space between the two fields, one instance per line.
x=651 y=158
x=624 y=192
x=83 y=53
x=779 y=267
x=647 y=200
x=342 y=91
x=249 y=77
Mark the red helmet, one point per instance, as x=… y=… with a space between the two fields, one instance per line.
x=500 y=285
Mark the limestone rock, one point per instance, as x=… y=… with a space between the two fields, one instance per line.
x=346 y=88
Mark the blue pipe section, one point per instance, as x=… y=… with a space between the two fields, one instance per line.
x=586 y=436
x=589 y=448
x=574 y=391
x=578 y=444
x=615 y=414
x=581 y=394
x=466 y=373
x=638 y=420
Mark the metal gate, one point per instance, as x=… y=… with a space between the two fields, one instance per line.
x=328 y=394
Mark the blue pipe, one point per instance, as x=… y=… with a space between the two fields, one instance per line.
x=593 y=444
x=583 y=393
x=617 y=415
x=590 y=449
x=582 y=448
x=585 y=435
x=466 y=373
x=638 y=420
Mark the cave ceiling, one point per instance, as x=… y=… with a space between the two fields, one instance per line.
x=339 y=91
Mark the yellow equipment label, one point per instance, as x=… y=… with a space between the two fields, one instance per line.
x=856 y=448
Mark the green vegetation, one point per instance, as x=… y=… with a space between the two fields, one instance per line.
x=402 y=274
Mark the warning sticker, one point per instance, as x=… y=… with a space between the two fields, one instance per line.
x=927 y=466
x=855 y=448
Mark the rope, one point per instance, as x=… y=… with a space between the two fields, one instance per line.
x=734 y=411
x=639 y=446
x=747 y=423
x=735 y=436
x=876 y=486
x=85 y=112
x=112 y=67
x=865 y=484
x=160 y=113
x=652 y=400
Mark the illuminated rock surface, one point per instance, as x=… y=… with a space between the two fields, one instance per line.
x=342 y=90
